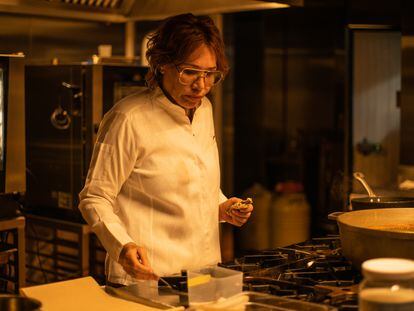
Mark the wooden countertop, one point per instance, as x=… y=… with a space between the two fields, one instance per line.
x=82 y=294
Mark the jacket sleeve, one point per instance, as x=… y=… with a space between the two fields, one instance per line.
x=222 y=197
x=114 y=156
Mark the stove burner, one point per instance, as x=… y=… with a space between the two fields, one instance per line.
x=313 y=271
x=285 y=288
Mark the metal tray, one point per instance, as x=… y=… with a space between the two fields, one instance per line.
x=263 y=302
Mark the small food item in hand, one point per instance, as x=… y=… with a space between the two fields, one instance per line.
x=240 y=206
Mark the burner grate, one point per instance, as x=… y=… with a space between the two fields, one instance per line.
x=312 y=271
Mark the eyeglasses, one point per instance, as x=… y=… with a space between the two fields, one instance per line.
x=188 y=76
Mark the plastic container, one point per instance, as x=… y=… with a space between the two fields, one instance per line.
x=289 y=215
x=212 y=283
x=388 y=285
x=254 y=235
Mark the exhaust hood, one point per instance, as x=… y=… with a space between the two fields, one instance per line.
x=134 y=10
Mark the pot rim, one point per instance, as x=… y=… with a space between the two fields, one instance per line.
x=342 y=222
x=389 y=200
x=378 y=232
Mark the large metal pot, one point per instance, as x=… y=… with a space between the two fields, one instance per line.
x=375 y=233
x=374 y=201
x=18 y=303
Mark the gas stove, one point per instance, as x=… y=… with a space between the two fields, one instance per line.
x=311 y=275
x=312 y=271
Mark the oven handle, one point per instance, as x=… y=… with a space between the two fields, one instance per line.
x=60 y=118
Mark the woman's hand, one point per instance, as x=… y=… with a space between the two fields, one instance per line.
x=237 y=217
x=135 y=262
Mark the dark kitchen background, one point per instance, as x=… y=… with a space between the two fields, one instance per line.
x=315 y=92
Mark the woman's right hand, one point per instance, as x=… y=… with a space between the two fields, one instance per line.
x=135 y=262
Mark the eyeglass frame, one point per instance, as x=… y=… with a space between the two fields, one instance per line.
x=203 y=75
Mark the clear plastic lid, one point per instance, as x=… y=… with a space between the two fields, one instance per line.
x=388 y=269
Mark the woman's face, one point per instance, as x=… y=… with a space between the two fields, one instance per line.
x=189 y=96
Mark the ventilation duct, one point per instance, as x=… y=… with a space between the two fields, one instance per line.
x=134 y=10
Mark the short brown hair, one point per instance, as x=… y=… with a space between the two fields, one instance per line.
x=177 y=37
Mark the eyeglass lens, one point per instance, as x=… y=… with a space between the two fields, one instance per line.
x=189 y=76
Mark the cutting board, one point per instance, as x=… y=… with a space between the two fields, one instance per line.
x=82 y=294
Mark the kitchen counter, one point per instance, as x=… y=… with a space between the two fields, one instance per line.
x=82 y=294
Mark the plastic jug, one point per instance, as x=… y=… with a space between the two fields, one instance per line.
x=289 y=215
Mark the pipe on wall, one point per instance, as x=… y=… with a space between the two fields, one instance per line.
x=130 y=39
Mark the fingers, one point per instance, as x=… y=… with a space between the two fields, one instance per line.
x=233 y=201
x=239 y=218
x=143 y=262
x=241 y=214
x=137 y=273
x=236 y=211
x=228 y=205
x=237 y=221
x=142 y=269
x=142 y=276
x=135 y=262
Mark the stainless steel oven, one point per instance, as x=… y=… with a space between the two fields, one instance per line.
x=64 y=105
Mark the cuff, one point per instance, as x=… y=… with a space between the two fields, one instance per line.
x=222 y=197
x=113 y=238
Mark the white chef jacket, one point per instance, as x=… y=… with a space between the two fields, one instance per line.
x=154 y=179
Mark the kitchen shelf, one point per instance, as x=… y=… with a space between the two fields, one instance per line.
x=12 y=254
x=59 y=250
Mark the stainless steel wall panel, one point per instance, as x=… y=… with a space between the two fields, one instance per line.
x=58 y=157
x=376 y=116
x=15 y=179
x=407 y=100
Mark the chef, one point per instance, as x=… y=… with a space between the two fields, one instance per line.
x=152 y=194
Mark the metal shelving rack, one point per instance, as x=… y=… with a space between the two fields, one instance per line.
x=59 y=250
x=12 y=254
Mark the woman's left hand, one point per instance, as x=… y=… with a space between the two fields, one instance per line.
x=237 y=217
